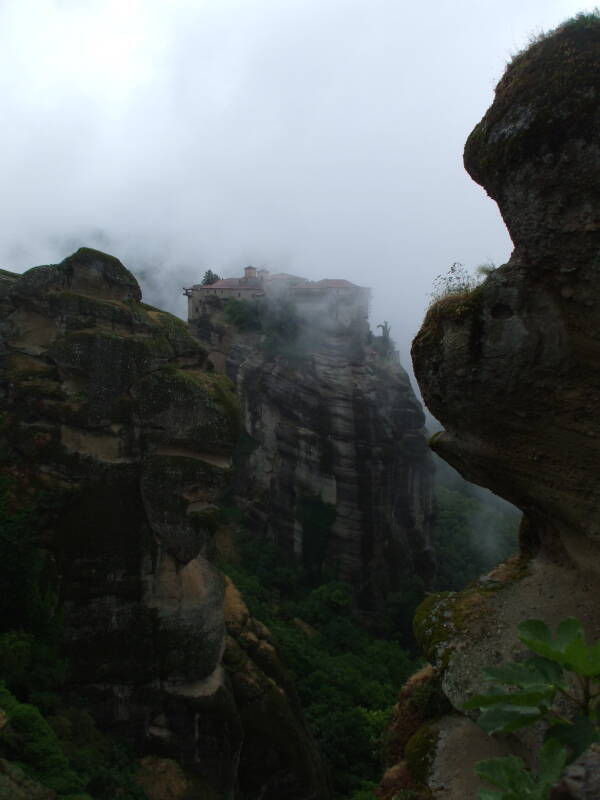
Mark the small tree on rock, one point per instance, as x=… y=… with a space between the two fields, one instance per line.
x=387 y=345
x=210 y=277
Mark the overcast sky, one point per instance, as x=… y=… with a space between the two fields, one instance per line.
x=319 y=137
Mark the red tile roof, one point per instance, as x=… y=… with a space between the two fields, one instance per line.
x=225 y=283
x=337 y=283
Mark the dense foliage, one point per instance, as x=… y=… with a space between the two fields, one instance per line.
x=58 y=746
x=347 y=679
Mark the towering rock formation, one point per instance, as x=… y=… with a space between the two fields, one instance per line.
x=512 y=370
x=334 y=464
x=108 y=406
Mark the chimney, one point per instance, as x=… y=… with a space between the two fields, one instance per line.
x=249 y=272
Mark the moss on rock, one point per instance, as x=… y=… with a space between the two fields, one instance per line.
x=167 y=481
x=225 y=395
x=420 y=752
x=194 y=406
x=20 y=366
x=177 y=333
x=80 y=311
x=433 y=625
x=421 y=700
x=108 y=364
x=454 y=311
x=87 y=271
x=29 y=738
x=443 y=617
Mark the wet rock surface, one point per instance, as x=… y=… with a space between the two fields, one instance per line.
x=582 y=778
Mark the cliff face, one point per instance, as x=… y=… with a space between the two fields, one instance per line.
x=334 y=465
x=108 y=406
x=511 y=369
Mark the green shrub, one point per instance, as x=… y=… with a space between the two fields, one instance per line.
x=456 y=281
x=525 y=693
x=29 y=739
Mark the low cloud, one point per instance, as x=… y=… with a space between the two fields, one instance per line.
x=319 y=138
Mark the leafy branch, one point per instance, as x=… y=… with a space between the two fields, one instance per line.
x=526 y=692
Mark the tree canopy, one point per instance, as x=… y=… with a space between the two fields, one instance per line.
x=210 y=277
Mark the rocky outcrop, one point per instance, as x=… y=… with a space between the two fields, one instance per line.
x=16 y=785
x=108 y=406
x=581 y=780
x=333 y=464
x=511 y=368
x=162 y=779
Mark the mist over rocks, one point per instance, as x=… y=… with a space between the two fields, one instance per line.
x=511 y=371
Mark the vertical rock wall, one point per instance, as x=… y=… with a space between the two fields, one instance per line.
x=334 y=464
